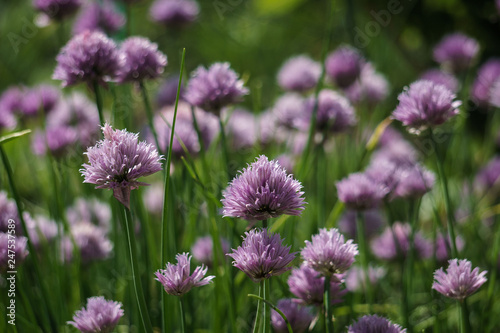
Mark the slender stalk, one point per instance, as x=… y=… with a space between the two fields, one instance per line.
x=183 y=318
x=266 y=309
x=363 y=247
x=408 y=267
x=321 y=173
x=164 y=227
x=225 y=153
x=149 y=113
x=464 y=315
x=98 y=102
x=288 y=326
x=139 y=293
x=328 y=308
x=258 y=315
x=444 y=182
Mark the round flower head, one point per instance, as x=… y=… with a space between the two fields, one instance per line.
x=299 y=317
x=299 y=73
x=371 y=88
x=414 y=182
x=443 y=244
x=425 y=104
x=178 y=280
x=356 y=278
x=88 y=57
x=99 y=17
x=372 y=219
x=8 y=210
x=10 y=103
x=99 y=316
x=142 y=60
x=118 y=160
x=41 y=99
x=308 y=286
x=213 y=88
x=59 y=140
x=261 y=191
x=174 y=13
x=359 y=192
x=167 y=93
x=57 y=9
x=6 y=252
x=487 y=75
x=335 y=112
x=460 y=280
x=90 y=210
x=343 y=66
x=262 y=255
x=488 y=176
x=40 y=229
x=290 y=111
x=374 y=324
x=456 y=52
x=328 y=253
x=91 y=241
x=440 y=77
x=203 y=249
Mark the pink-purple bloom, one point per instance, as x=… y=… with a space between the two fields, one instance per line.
x=167 y=93
x=441 y=77
x=98 y=16
x=372 y=220
x=88 y=57
x=344 y=65
x=213 y=88
x=10 y=103
x=118 y=160
x=299 y=73
x=360 y=192
x=142 y=61
x=328 y=253
x=488 y=176
x=487 y=75
x=291 y=111
x=39 y=100
x=203 y=249
x=456 y=52
x=374 y=324
x=298 y=316
x=262 y=255
x=355 y=279
x=460 y=280
x=443 y=246
x=100 y=315
x=20 y=251
x=90 y=210
x=425 y=104
x=178 y=280
x=308 y=286
x=90 y=240
x=174 y=13
x=57 y=9
x=335 y=113
x=261 y=191
x=414 y=182
x=370 y=88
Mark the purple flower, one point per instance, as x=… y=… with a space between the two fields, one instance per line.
x=495 y=94
x=203 y=249
x=440 y=77
x=298 y=316
x=178 y=280
x=262 y=255
x=308 y=286
x=414 y=182
x=335 y=113
x=328 y=253
x=88 y=57
x=460 y=280
x=213 y=88
x=261 y=191
x=344 y=65
x=8 y=210
x=57 y=9
x=117 y=161
x=20 y=251
x=10 y=102
x=359 y=192
x=39 y=99
x=174 y=13
x=153 y=197
x=371 y=219
x=355 y=279
x=456 y=52
x=384 y=173
x=371 y=88
x=286 y=161
x=425 y=104
x=374 y=324
x=384 y=247
x=399 y=152
x=291 y=111
x=90 y=240
x=167 y=93
x=90 y=210
x=99 y=17
x=99 y=316
x=142 y=60
x=488 y=176
x=299 y=73
x=487 y=74
x=443 y=244
x=40 y=229
x=241 y=127
x=57 y=139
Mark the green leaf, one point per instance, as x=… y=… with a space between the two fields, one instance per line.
x=12 y=136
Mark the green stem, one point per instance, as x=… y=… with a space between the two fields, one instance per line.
x=321 y=173
x=328 y=308
x=258 y=315
x=98 y=102
x=164 y=226
x=225 y=153
x=149 y=114
x=266 y=309
x=464 y=315
x=183 y=318
x=363 y=247
x=288 y=326
x=139 y=293
x=444 y=182
x=408 y=270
